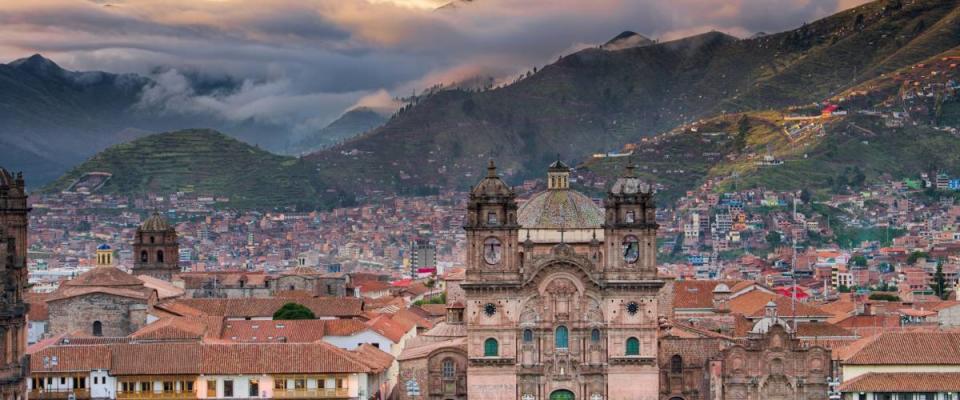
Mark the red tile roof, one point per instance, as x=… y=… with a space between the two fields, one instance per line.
x=906 y=348
x=753 y=305
x=904 y=382
x=70 y=358
x=265 y=307
x=389 y=328
x=245 y=358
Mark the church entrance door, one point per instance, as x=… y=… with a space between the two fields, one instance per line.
x=562 y=395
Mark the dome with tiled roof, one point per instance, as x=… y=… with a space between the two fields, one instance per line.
x=104 y=247
x=560 y=209
x=155 y=223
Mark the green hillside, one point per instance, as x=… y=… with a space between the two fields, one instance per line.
x=596 y=100
x=206 y=162
x=896 y=126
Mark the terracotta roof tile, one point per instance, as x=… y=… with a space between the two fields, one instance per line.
x=904 y=382
x=265 y=307
x=165 y=359
x=179 y=328
x=389 y=328
x=295 y=331
x=752 y=305
x=70 y=358
x=696 y=294
x=821 y=329
x=244 y=358
x=911 y=348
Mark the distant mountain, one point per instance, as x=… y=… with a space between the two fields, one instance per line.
x=778 y=150
x=627 y=40
x=595 y=100
x=209 y=163
x=55 y=118
x=350 y=124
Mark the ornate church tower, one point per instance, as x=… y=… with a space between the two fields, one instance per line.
x=492 y=231
x=492 y=287
x=156 y=251
x=13 y=262
x=630 y=229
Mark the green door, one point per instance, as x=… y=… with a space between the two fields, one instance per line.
x=561 y=395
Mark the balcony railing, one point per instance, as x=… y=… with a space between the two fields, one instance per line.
x=58 y=394
x=311 y=393
x=156 y=395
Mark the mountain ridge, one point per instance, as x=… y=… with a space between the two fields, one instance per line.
x=594 y=100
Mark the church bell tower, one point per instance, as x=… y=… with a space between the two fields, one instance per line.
x=156 y=251
x=630 y=228
x=13 y=263
x=492 y=230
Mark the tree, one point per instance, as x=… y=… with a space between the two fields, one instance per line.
x=857 y=261
x=939 y=284
x=293 y=311
x=774 y=239
x=912 y=259
x=743 y=130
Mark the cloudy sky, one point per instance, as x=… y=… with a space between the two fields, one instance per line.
x=304 y=62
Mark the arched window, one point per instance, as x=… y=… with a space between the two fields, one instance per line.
x=595 y=335
x=676 y=364
x=491 y=348
x=633 y=347
x=143 y=256
x=527 y=335
x=449 y=369
x=562 y=338
x=159 y=255
x=97 y=328
x=152 y=240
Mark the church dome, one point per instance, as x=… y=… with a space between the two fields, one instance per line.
x=492 y=185
x=560 y=208
x=104 y=247
x=155 y=223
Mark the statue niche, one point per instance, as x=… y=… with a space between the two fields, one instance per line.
x=562 y=293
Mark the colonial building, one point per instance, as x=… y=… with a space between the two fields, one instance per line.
x=13 y=263
x=155 y=249
x=770 y=362
x=104 y=301
x=434 y=364
x=561 y=295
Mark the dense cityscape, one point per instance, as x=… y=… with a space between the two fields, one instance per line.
x=480 y=199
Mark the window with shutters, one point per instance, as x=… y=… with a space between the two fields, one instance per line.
x=633 y=347
x=491 y=348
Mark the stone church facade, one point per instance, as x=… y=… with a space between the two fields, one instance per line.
x=769 y=363
x=13 y=262
x=568 y=310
